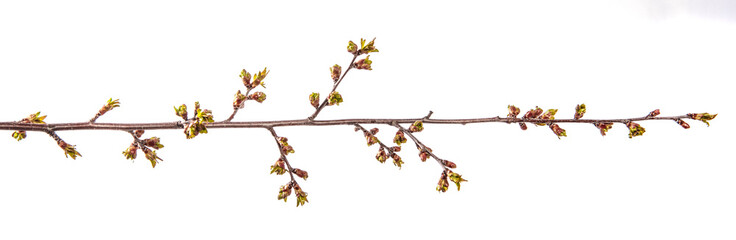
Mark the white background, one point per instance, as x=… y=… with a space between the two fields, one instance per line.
x=459 y=59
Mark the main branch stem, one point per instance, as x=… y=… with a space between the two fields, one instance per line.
x=304 y=122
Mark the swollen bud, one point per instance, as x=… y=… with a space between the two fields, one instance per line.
x=635 y=129
x=579 y=111
x=314 y=99
x=335 y=72
x=604 y=127
x=683 y=123
x=653 y=113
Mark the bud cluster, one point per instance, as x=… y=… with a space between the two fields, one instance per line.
x=704 y=117
x=257 y=78
x=443 y=184
x=196 y=125
x=154 y=142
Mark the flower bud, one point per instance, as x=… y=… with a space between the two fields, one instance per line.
x=19 y=135
x=335 y=72
x=579 y=111
x=513 y=111
x=374 y=131
x=300 y=173
x=397 y=160
x=364 y=64
x=449 y=164
x=352 y=47
x=683 y=123
x=153 y=142
x=245 y=76
x=239 y=101
x=138 y=133
x=443 y=184
x=314 y=99
x=417 y=126
x=334 y=98
x=131 y=152
x=381 y=156
x=534 y=113
x=279 y=167
x=635 y=129
x=399 y=138
x=258 y=96
x=604 y=127
x=558 y=130
x=653 y=113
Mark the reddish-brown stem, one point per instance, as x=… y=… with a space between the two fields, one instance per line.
x=387 y=148
x=334 y=87
x=421 y=145
x=304 y=122
x=283 y=154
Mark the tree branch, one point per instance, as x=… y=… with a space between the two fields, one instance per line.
x=306 y=122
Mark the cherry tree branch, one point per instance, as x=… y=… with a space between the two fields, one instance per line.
x=305 y=122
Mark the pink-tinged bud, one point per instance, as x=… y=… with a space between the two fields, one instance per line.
x=558 y=130
x=314 y=99
x=396 y=149
x=151 y=156
x=301 y=196
x=352 y=47
x=153 y=142
x=653 y=113
x=335 y=72
x=443 y=184
x=604 y=127
x=245 y=76
x=138 y=133
x=579 y=111
x=424 y=155
x=397 y=160
x=284 y=192
x=513 y=111
x=239 y=101
x=131 y=152
x=522 y=126
x=279 y=167
x=181 y=111
x=381 y=156
x=534 y=113
x=301 y=173
x=683 y=123
x=449 y=164
x=69 y=150
x=399 y=138
x=334 y=98
x=635 y=129
x=258 y=96
x=374 y=131
x=417 y=126
x=364 y=64
x=371 y=140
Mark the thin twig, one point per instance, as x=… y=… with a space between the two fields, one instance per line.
x=283 y=154
x=334 y=87
x=235 y=110
x=421 y=145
